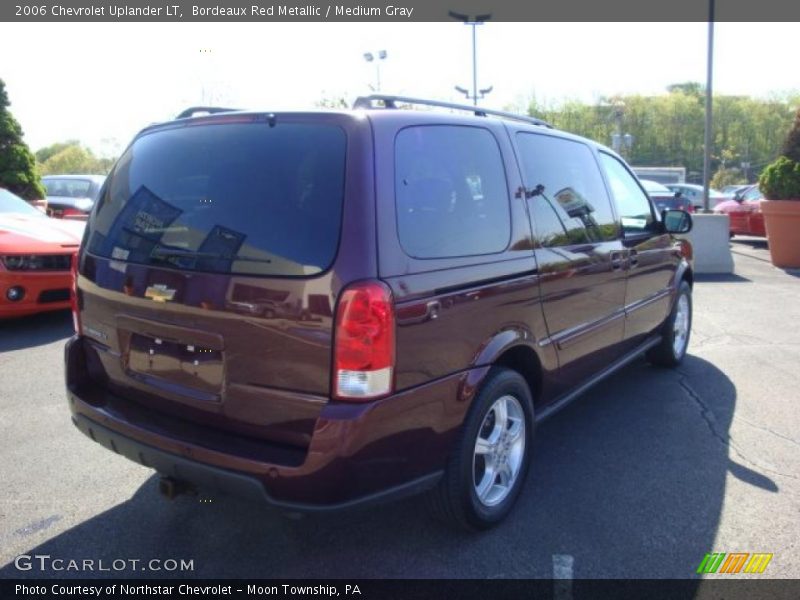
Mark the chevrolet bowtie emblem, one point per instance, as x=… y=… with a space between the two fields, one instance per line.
x=159 y=293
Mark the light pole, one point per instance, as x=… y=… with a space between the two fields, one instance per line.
x=709 y=96
x=369 y=57
x=473 y=22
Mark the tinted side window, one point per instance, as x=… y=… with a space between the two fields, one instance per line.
x=569 y=203
x=451 y=192
x=632 y=203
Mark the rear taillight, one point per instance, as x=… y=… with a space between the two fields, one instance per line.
x=73 y=296
x=73 y=213
x=363 y=364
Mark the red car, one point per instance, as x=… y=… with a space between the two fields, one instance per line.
x=744 y=212
x=35 y=257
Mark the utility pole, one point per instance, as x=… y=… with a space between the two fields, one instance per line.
x=709 y=95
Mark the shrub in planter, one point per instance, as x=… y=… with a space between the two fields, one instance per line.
x=780 y=180
x=780 y=184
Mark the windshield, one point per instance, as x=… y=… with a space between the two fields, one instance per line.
x=11 y=203
x=752 y=194
x=243 y=198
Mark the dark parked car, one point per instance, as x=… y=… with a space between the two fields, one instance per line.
x=465 y=277
x=71 y=196
x=665 y=198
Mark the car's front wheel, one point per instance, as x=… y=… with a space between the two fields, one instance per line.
x=676 y=331
x=487 y=469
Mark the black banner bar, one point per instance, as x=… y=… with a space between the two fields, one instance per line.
x=389 y=589
x=400 y=11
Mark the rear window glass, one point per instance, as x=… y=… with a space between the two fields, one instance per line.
x=451 y=192
x=240 y=198
x=69 y=188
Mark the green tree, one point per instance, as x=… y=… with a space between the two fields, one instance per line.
x=74 y=159
x=332 y=101
x=690 y=88
x=17 y=165
x=667 y=130
x=725 y=176
x=791 y=147
x=43 y=154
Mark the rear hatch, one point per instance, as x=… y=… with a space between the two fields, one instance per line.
x=206 y=287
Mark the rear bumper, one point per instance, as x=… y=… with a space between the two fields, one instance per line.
x=359 y=453
x=231 y=482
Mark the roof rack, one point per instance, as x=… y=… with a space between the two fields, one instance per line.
x=390 y=102
x=209 y=110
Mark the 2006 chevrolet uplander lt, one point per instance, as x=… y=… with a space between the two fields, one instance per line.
x=326 y=309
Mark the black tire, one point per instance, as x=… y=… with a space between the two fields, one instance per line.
x=455 y=500
x=665 y=354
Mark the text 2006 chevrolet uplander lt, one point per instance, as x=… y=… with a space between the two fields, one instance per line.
x=326 y=309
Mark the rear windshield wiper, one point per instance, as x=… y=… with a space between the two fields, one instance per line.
x=169 y=252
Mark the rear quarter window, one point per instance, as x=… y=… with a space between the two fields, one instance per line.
x=450 y=191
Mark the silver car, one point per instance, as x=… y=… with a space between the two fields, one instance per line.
x=694 y=194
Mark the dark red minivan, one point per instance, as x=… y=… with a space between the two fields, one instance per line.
x=326 y=309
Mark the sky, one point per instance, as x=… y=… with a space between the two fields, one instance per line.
x=101 y=82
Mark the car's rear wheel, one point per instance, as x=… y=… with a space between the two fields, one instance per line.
x=676 y=331
x=487 y=469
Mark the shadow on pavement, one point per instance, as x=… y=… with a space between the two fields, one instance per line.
x=753 y=242
x=629 y=481
x=35 y=330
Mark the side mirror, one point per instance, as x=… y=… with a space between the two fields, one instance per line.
x=677 y=221
x=738 y=197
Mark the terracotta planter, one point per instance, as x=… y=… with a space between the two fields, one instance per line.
x=782 y=220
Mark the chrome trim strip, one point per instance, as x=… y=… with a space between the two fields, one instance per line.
x=649 y=300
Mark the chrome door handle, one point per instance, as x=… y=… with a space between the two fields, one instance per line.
x=633 y=260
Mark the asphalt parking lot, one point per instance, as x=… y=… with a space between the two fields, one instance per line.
x=638 y=479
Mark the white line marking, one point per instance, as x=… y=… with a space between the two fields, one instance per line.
x=562 y=575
